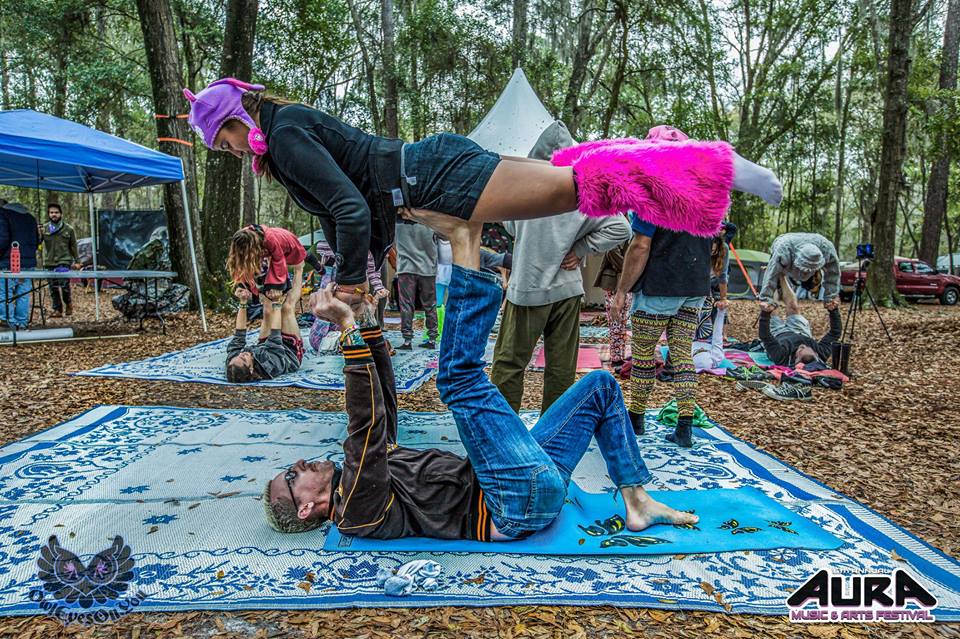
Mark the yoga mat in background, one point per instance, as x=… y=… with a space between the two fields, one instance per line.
x=588 y=359
x=592 y=524
x=182 y=487
x=205 y=364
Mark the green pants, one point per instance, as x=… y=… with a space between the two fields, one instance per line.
x=522 y=326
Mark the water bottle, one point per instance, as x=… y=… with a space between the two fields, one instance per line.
x=15 y=257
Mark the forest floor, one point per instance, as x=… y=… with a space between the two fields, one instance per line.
x=888 y=440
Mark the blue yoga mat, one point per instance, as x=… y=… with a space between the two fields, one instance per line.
x=592 y=524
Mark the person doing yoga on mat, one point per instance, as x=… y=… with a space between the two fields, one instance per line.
x=279 y=349
x=355 y=182
x=513 y=482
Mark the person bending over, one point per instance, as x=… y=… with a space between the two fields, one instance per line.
x=788 y=342
x=279 y=349
x=261 y=258
x=800 y=256
x=513 y=481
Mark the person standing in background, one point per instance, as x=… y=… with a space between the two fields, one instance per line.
x=545 y=289
x=59 y=254
x=417 y=276
x=617 y=324
x=18 y=227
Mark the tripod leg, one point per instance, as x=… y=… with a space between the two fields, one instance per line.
x=879 y=316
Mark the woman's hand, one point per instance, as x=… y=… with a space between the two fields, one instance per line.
x=383 y=293
x=721 y=304
x=274 y=295
x=242 y=294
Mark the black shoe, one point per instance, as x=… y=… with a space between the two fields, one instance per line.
x=683 y=434
x=636 y=420
x=406 y=346
x=428 y=344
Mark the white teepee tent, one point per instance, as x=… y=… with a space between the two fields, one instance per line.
x=515 y=122
x=512 y=127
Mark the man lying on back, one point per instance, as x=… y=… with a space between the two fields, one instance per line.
x=513 y=481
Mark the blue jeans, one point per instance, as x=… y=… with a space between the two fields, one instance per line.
x=524 y=474
x=19 y=309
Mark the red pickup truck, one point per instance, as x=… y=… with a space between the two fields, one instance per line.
x=914 y=279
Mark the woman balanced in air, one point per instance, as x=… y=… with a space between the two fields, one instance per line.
x=355 y=183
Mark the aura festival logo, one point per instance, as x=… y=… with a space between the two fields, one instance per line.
x=96 y=592
x=895 y=597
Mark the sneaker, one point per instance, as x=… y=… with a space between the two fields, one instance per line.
x=428 y=344
x=55 y=315
x=751 y=384
x=406 y=346
x=788 y=392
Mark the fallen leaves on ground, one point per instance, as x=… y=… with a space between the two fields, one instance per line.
x=887 y=440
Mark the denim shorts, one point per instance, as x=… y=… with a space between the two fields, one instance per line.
x=451 y=172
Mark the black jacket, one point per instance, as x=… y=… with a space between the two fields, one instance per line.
x=781 y=348
x=339 y=174
x=388 y=491
x=17 y=225
x=271 y=357
x=678 y=266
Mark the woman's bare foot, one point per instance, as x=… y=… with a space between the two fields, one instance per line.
x=643 y=511
x=464 y=236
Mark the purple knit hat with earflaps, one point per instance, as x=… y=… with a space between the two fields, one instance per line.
x=218 y=104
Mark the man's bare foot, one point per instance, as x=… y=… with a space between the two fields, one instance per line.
x=464 y=236
x=643 y=511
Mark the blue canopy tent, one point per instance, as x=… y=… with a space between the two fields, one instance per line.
x=41 y=151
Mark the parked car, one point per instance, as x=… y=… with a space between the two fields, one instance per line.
x=914 y=279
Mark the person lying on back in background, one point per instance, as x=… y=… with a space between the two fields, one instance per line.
x=789 y=342
x=279 y=349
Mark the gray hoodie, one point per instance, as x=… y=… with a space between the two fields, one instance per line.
x=799 y=256
x=540 y=245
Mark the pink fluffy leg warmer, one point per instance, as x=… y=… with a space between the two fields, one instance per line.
x=680 y=186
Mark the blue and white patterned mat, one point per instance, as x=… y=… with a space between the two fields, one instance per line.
x=181 y=487
x=204 y=363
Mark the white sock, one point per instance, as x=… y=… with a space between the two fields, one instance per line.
x=756 y=180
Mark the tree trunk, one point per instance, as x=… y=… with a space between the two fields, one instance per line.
x=618 y=75
x=163 y=64
x=893 y=148
x=4 y=72
x=518 y=46
x=367 y=67
x=578 y=72
x=844 y=118
x=249 y=192
x=104 y=108
x=390 y=101
x=935 y=207
x=223 y=192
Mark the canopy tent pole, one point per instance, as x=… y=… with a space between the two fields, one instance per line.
x=93 y=238
x=193 y=250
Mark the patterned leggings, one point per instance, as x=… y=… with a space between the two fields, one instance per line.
x=646 y=332
x=617 y=326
